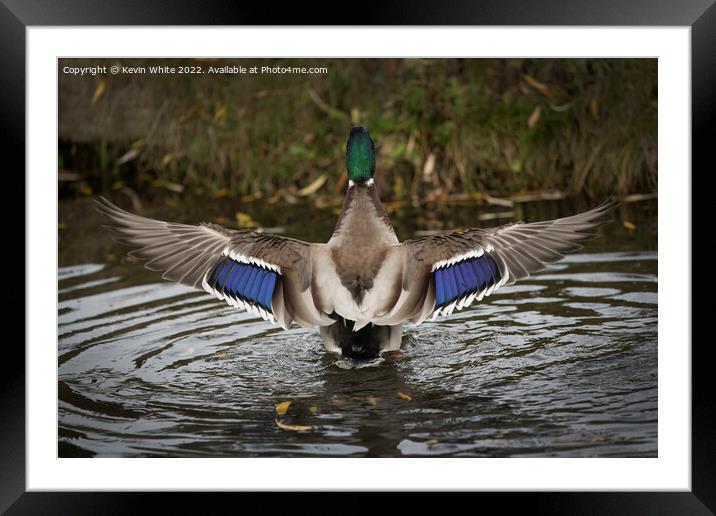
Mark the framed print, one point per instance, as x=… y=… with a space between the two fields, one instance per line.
x=358 y=193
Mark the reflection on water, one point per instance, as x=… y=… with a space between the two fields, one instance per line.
x=562 y=364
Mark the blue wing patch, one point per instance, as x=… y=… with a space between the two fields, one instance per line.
x=245 y=285
x=460 y=280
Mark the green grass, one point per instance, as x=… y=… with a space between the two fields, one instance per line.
x=441 y=127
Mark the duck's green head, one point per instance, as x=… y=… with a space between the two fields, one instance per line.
x=360 y=155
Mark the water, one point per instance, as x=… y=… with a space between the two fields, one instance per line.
x=561 y=364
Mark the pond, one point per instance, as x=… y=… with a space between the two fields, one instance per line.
x=563 y=363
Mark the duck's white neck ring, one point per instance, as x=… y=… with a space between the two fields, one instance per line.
x=366 y=183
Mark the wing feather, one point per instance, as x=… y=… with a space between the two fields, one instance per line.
x=517 y=250
x=188 y=254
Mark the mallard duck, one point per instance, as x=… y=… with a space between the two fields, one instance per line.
x=363 y=285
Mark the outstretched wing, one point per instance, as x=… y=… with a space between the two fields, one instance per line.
x=452 y=270
x=266 y=274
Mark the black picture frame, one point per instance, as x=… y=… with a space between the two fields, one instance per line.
x=699 y=15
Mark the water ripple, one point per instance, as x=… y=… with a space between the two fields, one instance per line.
x=563 y=364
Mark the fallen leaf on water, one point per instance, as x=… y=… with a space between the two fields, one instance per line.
x=431 y=442
x=405 y=396
x=313 y=409
x=85 y=189
x=61 y=225
x=295 y=428
x=594 y=108
x=282 y=407
x=629 y=225
x=372 y=400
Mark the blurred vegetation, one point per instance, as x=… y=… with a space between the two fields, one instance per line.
x=445 y=129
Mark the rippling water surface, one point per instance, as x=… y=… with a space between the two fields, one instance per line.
x=561 y=364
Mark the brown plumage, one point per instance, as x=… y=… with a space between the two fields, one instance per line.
x=362 y=276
